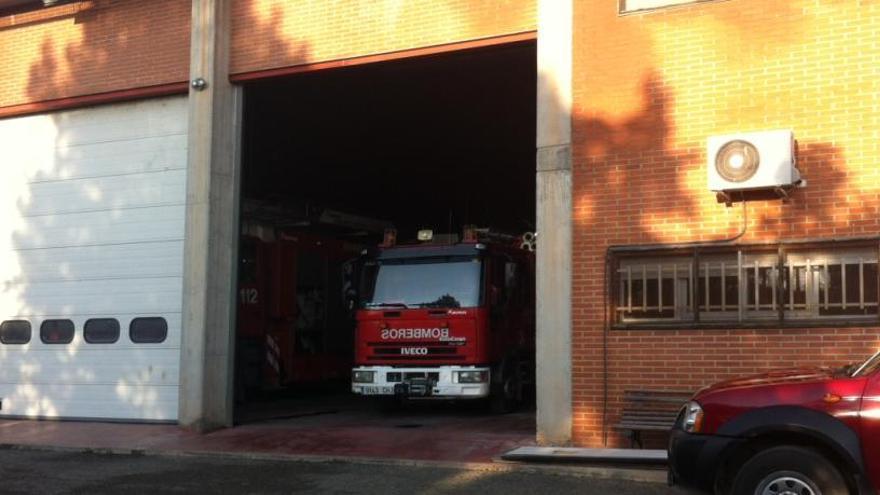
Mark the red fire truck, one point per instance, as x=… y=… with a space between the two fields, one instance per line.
x=447 y=320
x=292 y=327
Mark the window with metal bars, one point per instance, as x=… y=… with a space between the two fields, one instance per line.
x=767 y=285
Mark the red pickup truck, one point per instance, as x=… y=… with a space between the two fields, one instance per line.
x=801 y=431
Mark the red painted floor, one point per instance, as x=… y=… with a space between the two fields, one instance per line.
x=328 y=426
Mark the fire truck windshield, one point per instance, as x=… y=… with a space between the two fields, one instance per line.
x=426 y=284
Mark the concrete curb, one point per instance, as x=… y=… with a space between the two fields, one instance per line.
x=497 y=466
x=590 y=456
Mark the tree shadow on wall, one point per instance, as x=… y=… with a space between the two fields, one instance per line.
x=94 y=226
x=636 y=184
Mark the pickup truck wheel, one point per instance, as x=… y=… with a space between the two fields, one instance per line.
x=789 y=470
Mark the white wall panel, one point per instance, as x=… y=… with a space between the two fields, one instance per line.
x=51 y=367
x=91 y=226
x=103 y=297
x=137 y=260
x=105 y=193
x=151 y=154
x=116 y=226
x=124 y=401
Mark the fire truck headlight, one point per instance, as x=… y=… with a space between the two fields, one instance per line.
x=471 y=376
x=361 y=376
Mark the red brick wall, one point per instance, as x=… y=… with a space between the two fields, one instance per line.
x=648 y=90
x=92 y=47
x=97 y=46
x=279 y=33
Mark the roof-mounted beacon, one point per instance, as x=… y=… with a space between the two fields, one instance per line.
x=752 y=161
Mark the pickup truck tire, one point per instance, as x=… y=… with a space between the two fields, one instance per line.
x=789 y=469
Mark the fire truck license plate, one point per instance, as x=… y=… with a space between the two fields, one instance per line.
x=377 y=390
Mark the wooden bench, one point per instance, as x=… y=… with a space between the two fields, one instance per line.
x=650 y=410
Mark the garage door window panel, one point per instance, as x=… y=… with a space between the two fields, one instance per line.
x=57 y=331
x=151 y=330
x=15 y=332
x=101 y=331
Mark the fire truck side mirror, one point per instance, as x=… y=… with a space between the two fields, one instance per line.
x=351 y=301
x=350 y=281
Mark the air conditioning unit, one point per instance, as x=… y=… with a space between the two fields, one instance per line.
x=752 y=160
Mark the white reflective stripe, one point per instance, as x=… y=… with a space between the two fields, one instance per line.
x=273 y=362
x=273 y=353
x=273 y=345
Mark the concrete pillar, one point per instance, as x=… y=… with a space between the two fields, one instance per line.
x=210 y=248
x=554 y=213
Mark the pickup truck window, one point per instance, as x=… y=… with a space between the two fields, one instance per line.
x=868 y=367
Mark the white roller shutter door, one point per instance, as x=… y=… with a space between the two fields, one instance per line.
x=92 y=226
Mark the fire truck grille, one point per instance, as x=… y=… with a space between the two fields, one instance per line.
x=398 y=376
x=401 y=351
x=414 y=351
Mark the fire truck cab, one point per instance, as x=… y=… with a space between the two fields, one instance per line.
x=447 y=321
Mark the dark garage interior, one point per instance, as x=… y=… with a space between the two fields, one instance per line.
x=332 y=158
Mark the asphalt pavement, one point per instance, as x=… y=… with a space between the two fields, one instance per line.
x=54 y=472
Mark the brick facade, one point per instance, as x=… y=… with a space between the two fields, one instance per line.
x=96 y=46
x=268 y=34
x=91 y=47
x=648 y=90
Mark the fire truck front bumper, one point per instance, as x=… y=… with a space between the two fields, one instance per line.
x=440 y=382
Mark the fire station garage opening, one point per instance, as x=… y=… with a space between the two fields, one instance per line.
x=332 y=159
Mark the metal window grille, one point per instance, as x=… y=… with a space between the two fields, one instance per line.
x=656 y=289
x=748 y=285
x=832 y=285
